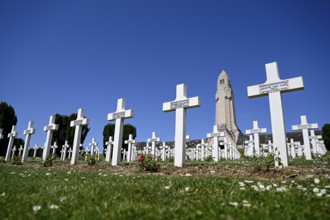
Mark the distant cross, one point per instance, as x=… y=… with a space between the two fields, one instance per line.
x=109 y=146
x=20 y=149
x=54 y=147
x=1 y=135
x=70 y=152
x=304 y=126
x=249 y=146
x=65 y=149
x=49 y=129
x=11 y=136
x=35 y=150
x=78 y=124
x=13 y=152
x=256 y=131
x=215 y=148
x=274 y=87
x=164 y=147
x=269 y=145
x=120 y=114
x=179 y=105
x=314 y=138
x=202 y=145
x=130 y=143
x=153 y=140
x=28 y=132
x=93 y=145
x=225 y=143
x=291 y=146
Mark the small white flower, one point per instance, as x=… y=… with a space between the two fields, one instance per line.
x=246 y=204
x=69 y=172
x=242 y=188
x=100 y=174
x=48 y=174
x=188 y=174
x=281 y=189
x=167 y=187
x=304 y=189
x=3 y=194
x=327 y=187
x=105 y=175
x=53 y=207
x=268 y=187
x=62 y=199
x=316 y=180
x=283 y=181
x=66 y=180
x=249 y=181
x=36 y=208
x=83 y=178
x=319 y=194
x=187 y=188
x=233 y=203
x=241 y=184
x=316 y=190
x=299 y=187
x=275 y=185
x=324 y=191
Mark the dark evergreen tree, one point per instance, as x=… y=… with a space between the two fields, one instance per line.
x=8 y=118
x=65 y=132
x=326 y=135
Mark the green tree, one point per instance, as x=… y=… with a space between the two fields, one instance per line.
x=326 y=135
x=109 y=130
x=65 y=132
x=8 y=118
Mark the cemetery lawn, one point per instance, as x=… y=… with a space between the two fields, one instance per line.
x=31 y=191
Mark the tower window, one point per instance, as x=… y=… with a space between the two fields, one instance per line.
x=222 y=81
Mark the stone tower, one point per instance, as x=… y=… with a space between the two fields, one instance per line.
x=225 y=116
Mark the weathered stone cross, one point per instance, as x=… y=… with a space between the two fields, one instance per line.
x=274 y=87
x=304 y=126
x=78 y=123
x=11 y=136
x=179 y=105
x=49 y=129
x=119 y=116
x=28 y=132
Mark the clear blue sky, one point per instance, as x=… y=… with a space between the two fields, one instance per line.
x=59 y=55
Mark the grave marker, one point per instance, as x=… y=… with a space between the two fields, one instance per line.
x=11 y=136
x=256 y=131
x=93 y=144
x=20 y=149
x=49 y=129
x=120 y=114
x=304 y=126
x=314 y=138
x=274 y=87
x=202 y=145
x=153 y=140
x=28 y=132
x=291 y=146
x=130 y=141
x=179 y=105
x=35 y=150
x=215 y=148
x=65 y=148
x=109 y=145
x=13 y=152
x=1 y=135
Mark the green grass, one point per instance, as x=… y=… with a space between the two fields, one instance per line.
x=82 y=194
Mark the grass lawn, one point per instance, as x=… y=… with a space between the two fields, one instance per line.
x=67 y=192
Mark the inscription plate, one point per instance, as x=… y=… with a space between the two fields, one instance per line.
x=153 y=139
x=180 y=104
x=304 y=127
x=117 y=115
x=274 y=87
x=78 y=122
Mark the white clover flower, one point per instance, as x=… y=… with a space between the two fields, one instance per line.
x=167 y=187
x=83 y=178
x=324 y=191
x=246 y=204
x=316 y=180
x=242 y=188
x=3 y=194
x=281 y=189
x=69 y=172
x=275 y=185
x=249 y=181
x=187 y=188
x=100 y=174
x=304 y=189
x=283 y=182
x=299 y=187
x=105 y=175
x=66 y=180
x=233 y=203
x=268 y=187
x=62 y=199
x=316 y=190
x=53 y=207
x=319 y=194
x=327 y=187
x=36 y=208
x=48 y=174
x=241 y=184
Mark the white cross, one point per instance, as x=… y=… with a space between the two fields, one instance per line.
x=291 y=146
x=20 y=149
x=1 y=135
x=226 y=144
x=78 y=123
x=153 y=140
x=93 y=145
x=179 y=105
x=28 y=132
x=248 y=151
x=13 y=152
x=35 y=150
x=202 y=145
x=49 y=129
x=109 y=145
x=315 y=139
x=215 y=148
x=130 y=141
x=256 y=131
x=70 y=152
x=65 y=148
x=120 y=114
x=11 y=136
x=269 y=145
x=274 y=87
x=164 y=147
x=304 y=126
x=54 y=147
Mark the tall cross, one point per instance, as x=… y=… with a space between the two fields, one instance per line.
x=28 y=132
x=119 y=116
x=130 y=142
x=215 y=148
x=93 y=145
x=202 y=145
x=11 y=136
x=256 y=131
x=314 y=138
x=304 y=126
x=153 y=140
x=78 y=124
x=109 y=145
x=274 y=87
x=179 y=105
x=49 y=129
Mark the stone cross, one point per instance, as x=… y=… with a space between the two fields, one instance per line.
x=20 y=149
x=130 y=142
x=179 y=105
x=314 y=138
x=120 y=114
x=65 y=148
x=78 y=124
x=54 y=147
x=256 y=131
x=93 y=145
x=274 y=87
x=70 y=152
x=35 y=150
x=164 y=147
x=215 y=148
x=304 y=126
x=28 y=132
x=153 y=140
x=1 y=135
x=49 y=129
x=11 y=136
x=202 y=145
x=291 y=146
x=249 y=146
x=109 y=145
x=13 y=152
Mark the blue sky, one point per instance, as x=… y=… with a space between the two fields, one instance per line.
x=58 y=56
